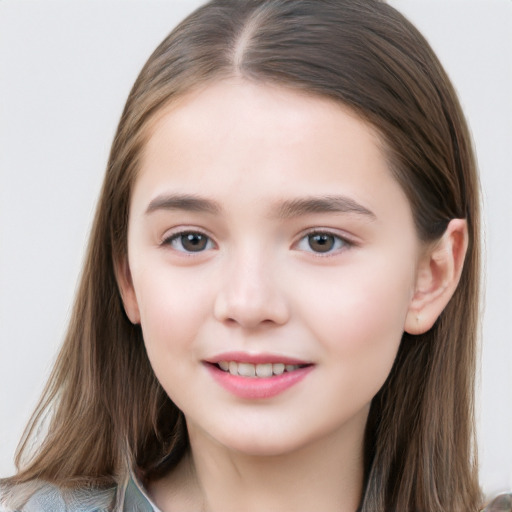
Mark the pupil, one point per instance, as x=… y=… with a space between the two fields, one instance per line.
x=194 y=242
x=321 y=243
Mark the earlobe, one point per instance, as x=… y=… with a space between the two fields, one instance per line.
x=125 y=284
x=437 y=277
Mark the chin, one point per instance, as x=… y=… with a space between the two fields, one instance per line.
x=264 y=443
x=263 y=448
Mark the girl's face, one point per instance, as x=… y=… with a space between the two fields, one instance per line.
x=267 y=236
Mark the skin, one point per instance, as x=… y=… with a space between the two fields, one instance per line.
x=259 y=285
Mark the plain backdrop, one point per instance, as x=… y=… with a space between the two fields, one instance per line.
x=65 y=70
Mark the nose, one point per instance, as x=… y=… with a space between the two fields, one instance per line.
x=250 y=295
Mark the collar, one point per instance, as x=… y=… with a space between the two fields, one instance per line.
x=134 y=497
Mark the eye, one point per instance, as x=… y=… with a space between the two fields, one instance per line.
x=322 y=243
x=189 y=241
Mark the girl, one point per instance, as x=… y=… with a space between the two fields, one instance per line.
x=278 y=307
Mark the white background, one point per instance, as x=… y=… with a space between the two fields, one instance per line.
x=65 y=70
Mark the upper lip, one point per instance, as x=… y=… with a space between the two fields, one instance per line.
x=243 y=357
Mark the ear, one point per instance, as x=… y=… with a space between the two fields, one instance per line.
x=125 y=284
x=437 y=278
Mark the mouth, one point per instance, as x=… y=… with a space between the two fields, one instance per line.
x=257 y=376
x=257 y=370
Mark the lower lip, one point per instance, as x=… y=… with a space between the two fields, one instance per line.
x=253 y=388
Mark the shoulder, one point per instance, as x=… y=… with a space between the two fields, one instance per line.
x=38 y=496
x=44 y=497
x=502 y=503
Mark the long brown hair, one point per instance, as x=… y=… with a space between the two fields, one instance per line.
x=107 y=408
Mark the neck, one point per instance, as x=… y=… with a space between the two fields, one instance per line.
x=324 y=475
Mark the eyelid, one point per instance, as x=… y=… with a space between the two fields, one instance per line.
x=174 y=233
x=348 y=241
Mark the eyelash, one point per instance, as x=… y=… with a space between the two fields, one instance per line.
x=339 y=243
x=178 y=238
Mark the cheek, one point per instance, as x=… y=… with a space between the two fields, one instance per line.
x=172 y=309
x=172 y=313
x=359 y=319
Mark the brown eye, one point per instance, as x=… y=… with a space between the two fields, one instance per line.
x=321 y=242
x=190 y=242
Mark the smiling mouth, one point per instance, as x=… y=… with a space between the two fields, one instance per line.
x=256 y=377
x=260 y=370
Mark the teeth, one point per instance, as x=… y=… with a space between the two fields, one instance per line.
x=264 y=370
x=256 y=370
x=224 y=365
x=246 y=370
x=278 y=368
x=233 y=368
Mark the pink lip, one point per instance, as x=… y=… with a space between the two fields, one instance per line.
x=242 y=357
x=252 y=388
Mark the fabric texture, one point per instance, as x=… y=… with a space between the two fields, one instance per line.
x=131 y=497
x=502 y=503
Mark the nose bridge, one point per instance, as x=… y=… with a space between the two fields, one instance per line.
x=249 y=293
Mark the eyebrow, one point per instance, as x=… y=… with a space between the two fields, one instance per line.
x=287 y=209
x=187 y=202
x=324 y=204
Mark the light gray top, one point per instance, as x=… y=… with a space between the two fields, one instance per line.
x=130 y=497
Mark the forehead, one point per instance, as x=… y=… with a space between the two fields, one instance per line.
x=238 y=139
